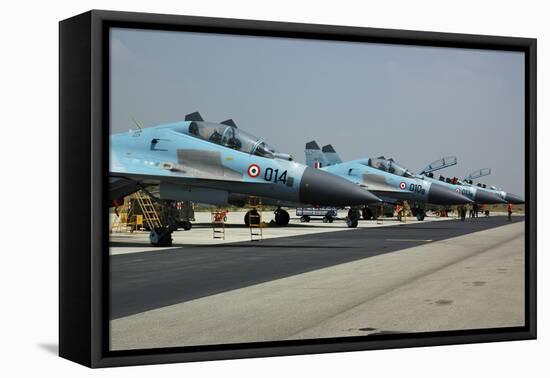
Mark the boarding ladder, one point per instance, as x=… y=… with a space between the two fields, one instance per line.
x=150 y=215
x=218 y=217
x=255 y=222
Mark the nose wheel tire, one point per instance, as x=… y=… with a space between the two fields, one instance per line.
x=281 y=217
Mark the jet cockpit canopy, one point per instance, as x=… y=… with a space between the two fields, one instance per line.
x=390 y=166
x=232 y=137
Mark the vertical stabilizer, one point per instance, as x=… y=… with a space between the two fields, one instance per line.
x=314 y=157
x=331 y=155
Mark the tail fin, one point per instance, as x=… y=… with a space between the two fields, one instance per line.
x=331 y=155
x=314 y=157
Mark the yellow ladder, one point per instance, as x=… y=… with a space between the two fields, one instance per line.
x=148 y=210
x=217 y=217
x=122 y=223
x=255 y=221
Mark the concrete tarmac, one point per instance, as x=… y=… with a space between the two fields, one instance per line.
x=407 y=278
x=469 y=275
x=236 y=231
x=144 y=281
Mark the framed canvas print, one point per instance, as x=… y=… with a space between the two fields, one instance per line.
x=234 y=188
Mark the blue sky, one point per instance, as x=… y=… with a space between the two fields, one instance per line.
x=415 y=104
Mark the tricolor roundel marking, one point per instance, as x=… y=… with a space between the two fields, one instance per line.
x=254 y=170
x=402 y=185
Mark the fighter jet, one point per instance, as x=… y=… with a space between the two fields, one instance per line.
x=479 y=193
x=205 y=162
x=384 y=178
x=506 y=196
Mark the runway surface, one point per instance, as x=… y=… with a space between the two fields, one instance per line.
x=150 y=280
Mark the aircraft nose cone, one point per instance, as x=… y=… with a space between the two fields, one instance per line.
x=513 y=199
x=487 y=198
x=321 y=188
x=440 y=195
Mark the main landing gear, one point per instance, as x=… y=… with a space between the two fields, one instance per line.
x=281 y=217
x=162 y=236
x=419 y=213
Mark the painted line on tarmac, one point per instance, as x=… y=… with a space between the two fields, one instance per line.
x=411 y=240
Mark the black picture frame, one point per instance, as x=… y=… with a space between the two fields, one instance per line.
x=83 y=141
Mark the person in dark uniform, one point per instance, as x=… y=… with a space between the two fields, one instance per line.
x=462 y=212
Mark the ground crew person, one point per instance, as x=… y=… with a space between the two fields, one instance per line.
x=462 y=212
x=509 y=212
x=398 y=209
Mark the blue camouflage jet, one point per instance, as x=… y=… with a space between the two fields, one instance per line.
x=506 y=196
x=206 y=162
x=480 y=193
x=384 y=178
